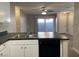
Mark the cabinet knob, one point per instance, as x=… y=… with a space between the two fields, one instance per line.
x=4 y=45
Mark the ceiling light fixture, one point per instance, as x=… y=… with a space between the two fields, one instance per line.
x=45 y=10
x=43 y=13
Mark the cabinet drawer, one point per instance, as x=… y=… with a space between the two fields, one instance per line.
x=23 y=42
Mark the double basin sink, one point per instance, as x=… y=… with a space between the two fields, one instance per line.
x=23 y=36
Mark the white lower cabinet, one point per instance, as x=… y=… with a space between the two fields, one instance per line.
x=20 y=48
x=31 y=51
x=4 y=53
x=4 y=50
x=28 y=48
x=16 y=50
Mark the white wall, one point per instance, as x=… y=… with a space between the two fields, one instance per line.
x=5 y=19
x=65 y=22
x=23 y=22
x=66 y=25
x=22 y=19
x=8 y=20
x=70 y=23
x=76 y=26
x=62 y=22
x=9 y=10
x=12 y=16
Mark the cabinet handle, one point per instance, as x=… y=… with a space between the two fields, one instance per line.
x=21 y=47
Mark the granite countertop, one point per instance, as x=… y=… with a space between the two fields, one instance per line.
x=12 y=36
x=23 y=36
x=5 y=38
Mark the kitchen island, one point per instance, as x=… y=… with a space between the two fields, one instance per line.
x=34 y=46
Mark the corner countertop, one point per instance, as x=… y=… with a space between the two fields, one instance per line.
x=9 y=36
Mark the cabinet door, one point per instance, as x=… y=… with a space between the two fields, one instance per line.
x=16 y=50
x=31 y=51
x=4 y=52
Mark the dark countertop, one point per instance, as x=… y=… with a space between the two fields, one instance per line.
x=11 y=35
x=5 y=38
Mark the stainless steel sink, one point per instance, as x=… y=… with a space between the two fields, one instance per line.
x=19 y=36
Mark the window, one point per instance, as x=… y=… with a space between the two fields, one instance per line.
x=46 y=25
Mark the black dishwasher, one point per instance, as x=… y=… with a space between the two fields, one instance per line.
x=49 y=48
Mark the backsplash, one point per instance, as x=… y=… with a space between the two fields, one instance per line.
x=3 y=33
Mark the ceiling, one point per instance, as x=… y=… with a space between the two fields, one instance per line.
x=35 y=7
